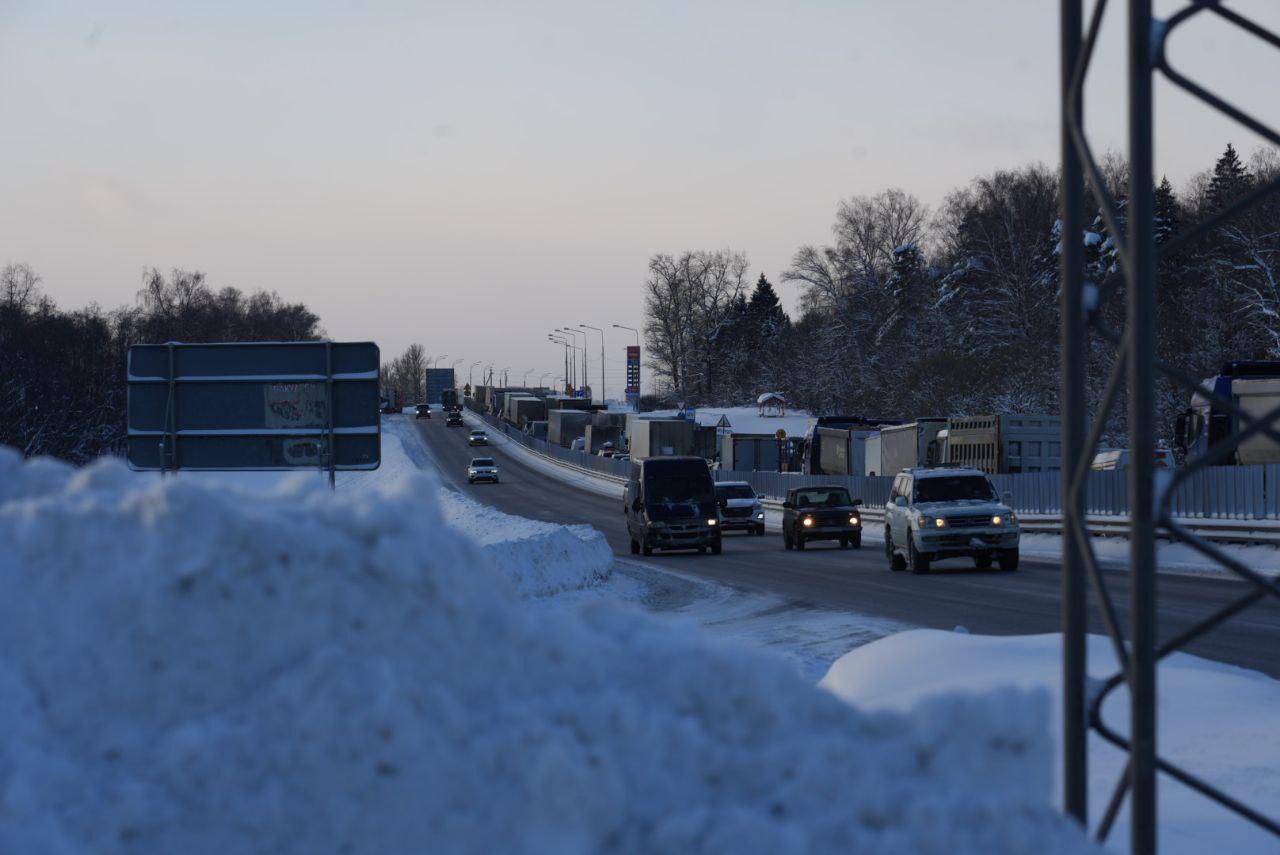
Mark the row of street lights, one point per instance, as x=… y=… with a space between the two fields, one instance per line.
x=566 y=337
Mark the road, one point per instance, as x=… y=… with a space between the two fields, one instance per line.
x=985 y=602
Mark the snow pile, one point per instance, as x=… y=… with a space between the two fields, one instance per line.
x=1218 y=721
x=189 y=669
x=539 y=558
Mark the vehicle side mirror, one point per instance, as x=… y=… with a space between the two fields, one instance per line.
x=724 y=503
x=787 y=505
x=1007 y=497
x=857 y=502
x=900 y=501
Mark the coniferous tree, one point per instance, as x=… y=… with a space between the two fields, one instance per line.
x=1230 y=178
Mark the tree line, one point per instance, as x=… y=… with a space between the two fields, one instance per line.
x=911 y=311
x=62 y=372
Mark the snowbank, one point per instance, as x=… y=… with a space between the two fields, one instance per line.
x=538 y=558
x=1216 y=720
x=186 y=669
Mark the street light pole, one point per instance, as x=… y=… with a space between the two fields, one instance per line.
x=603 y=398
x=472 y=369
x=574 y=332
x=568 y=369
x=525 y=380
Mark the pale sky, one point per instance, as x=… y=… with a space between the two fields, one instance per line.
x=469 y=175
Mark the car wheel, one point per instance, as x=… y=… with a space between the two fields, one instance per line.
x=844 y=543
x=786 y=541
x=646 y=548
x=919 y=564
x=760 y=531
x=717 y=548
x=1009 y=560
x=799 y=541
x=896 y=562
x=982 y=562
x=635 y=547
x=856 y=541
x=471 y=480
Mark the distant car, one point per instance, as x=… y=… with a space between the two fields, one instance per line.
x=821 y=513
x=482 y=469
x=740 y=507
x=622 y=457
x=578 y=444
x=478 y=437
x=453 y=420
x=948 y=513
x=422 y=411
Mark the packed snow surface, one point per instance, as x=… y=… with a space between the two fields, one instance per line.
x=186 y=669
x=1216 y=720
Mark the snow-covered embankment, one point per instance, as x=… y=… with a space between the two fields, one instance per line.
x=186 y=669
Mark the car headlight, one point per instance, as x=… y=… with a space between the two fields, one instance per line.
x=807 y=521
x=712 y=522
x=932 y=522
x=658 y=524
x=853 y=520
x=760 y=516
x=997 y=520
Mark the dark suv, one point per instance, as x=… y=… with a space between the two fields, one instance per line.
x=670 y=503
x=821 y=513
x=422 y=411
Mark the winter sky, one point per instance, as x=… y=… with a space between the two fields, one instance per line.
x=471 y=174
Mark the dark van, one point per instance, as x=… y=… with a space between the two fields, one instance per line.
x=670 y=503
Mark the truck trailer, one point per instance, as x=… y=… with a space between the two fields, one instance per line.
x=910 y=445
x=437 y=381
x=998 y=444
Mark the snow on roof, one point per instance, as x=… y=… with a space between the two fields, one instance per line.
x=747 y=420
x=296 y=673
x=768 y=397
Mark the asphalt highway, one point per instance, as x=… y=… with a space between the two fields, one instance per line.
x=955 y=593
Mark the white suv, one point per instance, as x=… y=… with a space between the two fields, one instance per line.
x=948 y=513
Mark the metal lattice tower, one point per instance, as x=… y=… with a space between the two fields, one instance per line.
x=1137 y=367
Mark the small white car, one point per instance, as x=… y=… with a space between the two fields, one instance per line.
x=482 y=469
x=934 y=514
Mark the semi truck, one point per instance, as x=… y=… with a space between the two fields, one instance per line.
x=830 y=446
x=440 y=380
x=1254 y=387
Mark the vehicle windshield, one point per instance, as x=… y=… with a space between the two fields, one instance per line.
x=482 y=461
x=678 y=496
x=960 y=488
x=735 y=491
x=831 y=497
x=477 y=433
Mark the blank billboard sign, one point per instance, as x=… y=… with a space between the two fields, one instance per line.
x=256 y=406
